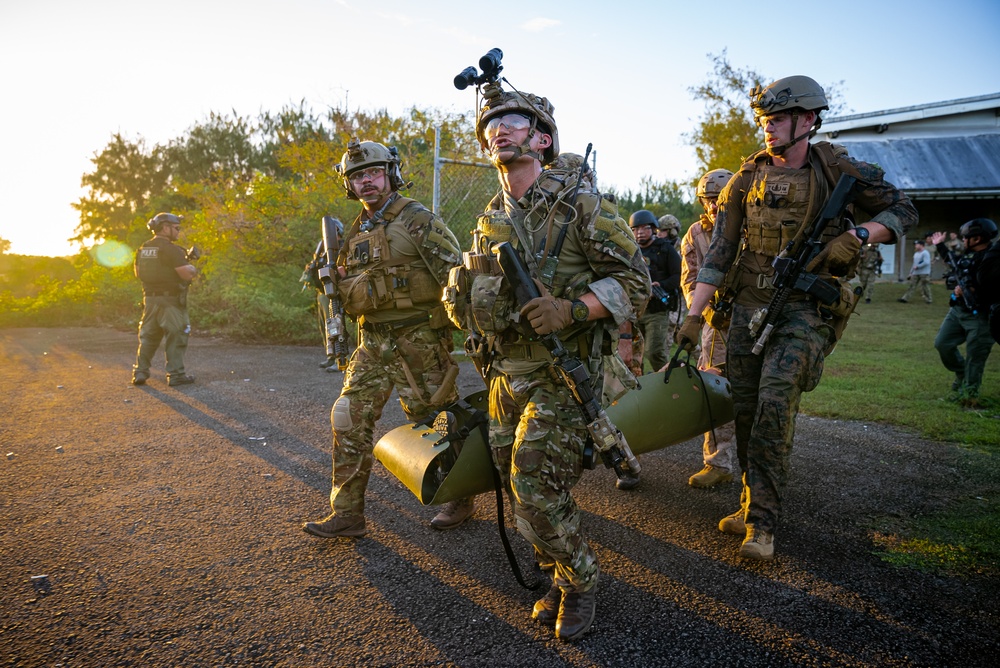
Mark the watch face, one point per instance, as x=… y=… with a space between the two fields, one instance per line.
x=580 y=311
x=862 y=233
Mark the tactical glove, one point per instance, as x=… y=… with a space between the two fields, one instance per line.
x=689 y=334
x=546 y=313
x=839 y=257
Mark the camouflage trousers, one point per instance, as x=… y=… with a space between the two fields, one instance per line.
x=719 y=448
x=414 y=360
x=766 y=393
x=655 y=328
x=163 y=318
x=960 y=326
x=538 y=433
x=922 y=283
x=867 y=279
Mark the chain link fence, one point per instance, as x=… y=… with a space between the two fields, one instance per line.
x=462 y=189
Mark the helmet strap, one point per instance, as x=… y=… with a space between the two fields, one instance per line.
x=778 y=150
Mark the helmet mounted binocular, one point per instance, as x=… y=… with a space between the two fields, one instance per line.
x=489 y=64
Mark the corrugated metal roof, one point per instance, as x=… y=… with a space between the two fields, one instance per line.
x=936 y=167
x=916 y=112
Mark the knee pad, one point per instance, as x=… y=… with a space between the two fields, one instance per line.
x=342 y=414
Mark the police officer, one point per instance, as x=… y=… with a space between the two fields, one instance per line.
x=593 y=279
x=394 y=261
x=719 y=448
x=664 y=265
x=165 y=271
x=775 y=194
x=967 y=321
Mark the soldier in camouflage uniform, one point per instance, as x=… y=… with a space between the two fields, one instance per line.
x=719 y=448
x=393 y=263
x=871 y=260
x=669 y=228
x=789 y=181
x=599 y=281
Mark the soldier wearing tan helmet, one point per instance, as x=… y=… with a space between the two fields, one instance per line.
x=773 y=198
x=669 y=228
x=719 y=448
x=166 y=271
x=393 y=263
x=588 y=267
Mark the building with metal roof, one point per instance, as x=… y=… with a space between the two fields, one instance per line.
x=944 y=155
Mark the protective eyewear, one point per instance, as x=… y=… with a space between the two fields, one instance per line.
x=510 y=121
x=372 y=173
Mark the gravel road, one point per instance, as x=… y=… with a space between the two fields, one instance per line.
x=160 y=526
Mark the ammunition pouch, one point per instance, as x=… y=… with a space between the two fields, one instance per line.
x=840 y=312
x=360 y=295
x=490 y=307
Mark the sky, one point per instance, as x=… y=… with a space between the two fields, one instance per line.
x=619 y=73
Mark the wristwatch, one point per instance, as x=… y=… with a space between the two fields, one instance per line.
x=580 y=311
x=862 y=234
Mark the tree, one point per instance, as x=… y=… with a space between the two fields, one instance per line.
x=659 y=198
x=727 y=134
x=126 y=177
x=4 y=246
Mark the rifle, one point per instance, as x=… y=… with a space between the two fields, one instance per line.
x=957 y=278
x=336 y=337
x=789 y=266
x=569 y=370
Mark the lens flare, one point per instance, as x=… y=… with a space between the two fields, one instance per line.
x=111 y=254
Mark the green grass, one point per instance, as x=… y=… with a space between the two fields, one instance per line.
x=885 y=369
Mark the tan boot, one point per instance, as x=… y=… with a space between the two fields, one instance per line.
x=758 y=545
x=334 y=526
x=576 y=614
x=546 y=609
x=710 y=476
x=733 y=524
x=454 y=514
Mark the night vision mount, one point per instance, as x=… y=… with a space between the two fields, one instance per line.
x=489 y=64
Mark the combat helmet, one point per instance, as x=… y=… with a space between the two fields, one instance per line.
x=362 y=154
x=670 y=222
x=794 y=94
x=159 y=220
x=642 y=217
x=984 y=228
x=712 y=183
x=498 y=102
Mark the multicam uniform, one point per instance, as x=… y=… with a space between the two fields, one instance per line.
x=871 y=259
x=719 y=448
x=396 y=265
x=536 y=428
x=762 y=208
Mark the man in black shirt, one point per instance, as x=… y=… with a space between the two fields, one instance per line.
x=664 y=264
x=165 y=272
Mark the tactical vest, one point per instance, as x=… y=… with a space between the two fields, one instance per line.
x=477 y=296
x=376 y=279
x=154 y=269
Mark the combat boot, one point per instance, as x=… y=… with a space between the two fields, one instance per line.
x=140 y=378
x=546 y=608
x=628 y=481
x=334 y=526
x=180 y=379
x=733 y=524
x=454 y=514
x=710 y=476
x=758 y=545
x=576 y=614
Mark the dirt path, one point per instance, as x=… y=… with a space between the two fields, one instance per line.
x=166 y=524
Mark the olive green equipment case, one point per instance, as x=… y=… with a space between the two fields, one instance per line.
x=653 y=416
